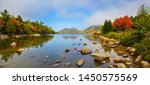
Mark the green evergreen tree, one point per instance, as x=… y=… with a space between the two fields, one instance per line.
x=107 y=27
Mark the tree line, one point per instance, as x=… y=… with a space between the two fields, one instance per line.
x=10 y=24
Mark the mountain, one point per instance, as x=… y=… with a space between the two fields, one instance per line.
x=70 y=31
x=92 y=29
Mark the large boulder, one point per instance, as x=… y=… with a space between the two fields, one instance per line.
x=118 y=59
x=100 y=56
x=121 y=65
x=85 y=51
x=80 y=62
x=138 y=59
x=145 y=64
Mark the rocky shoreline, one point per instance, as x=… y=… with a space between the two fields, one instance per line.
x=123 y=60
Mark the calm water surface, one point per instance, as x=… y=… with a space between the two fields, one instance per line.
x=42 y=51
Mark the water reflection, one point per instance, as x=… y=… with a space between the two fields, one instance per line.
x=90 y=37
x=70 y=37
x=23 y=42
x=44 y=50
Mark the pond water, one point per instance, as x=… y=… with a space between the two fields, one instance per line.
x=43 y=50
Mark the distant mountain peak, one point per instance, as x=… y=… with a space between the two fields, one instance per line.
x=70 y=31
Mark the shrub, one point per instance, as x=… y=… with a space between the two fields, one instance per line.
x=143 y=48
x=112 y=35
x=128 y=37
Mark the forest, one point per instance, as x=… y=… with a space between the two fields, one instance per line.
x=10 y=24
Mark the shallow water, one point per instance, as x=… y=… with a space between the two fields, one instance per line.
x=42 y=51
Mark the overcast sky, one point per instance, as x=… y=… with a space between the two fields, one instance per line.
x=61 y=14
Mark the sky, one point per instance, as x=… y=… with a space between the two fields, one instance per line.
x=80 y=14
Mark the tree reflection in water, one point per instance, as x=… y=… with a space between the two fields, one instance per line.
x=7 y=51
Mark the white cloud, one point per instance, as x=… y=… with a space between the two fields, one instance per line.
x=113 y=11
x=35 y=8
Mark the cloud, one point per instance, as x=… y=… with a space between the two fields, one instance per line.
x=38 y=8
x=77 y=12
x=114 y=10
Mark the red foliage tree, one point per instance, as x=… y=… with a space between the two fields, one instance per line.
x=123 y=22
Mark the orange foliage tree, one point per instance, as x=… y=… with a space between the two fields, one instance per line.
x=123 y=23
x=2 y=23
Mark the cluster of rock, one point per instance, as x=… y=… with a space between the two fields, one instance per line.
x=117 y=61
x=123 y=60
x=112 y=43
x=126 y=60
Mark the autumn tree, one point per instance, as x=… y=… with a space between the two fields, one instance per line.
x=123 y=23
x=10 y=27
x=16 y=25
x=2 y=24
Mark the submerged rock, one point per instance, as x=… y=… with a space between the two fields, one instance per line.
x=138 y=59
x=100 y=56
x=44 y=61
x=110 y=66
x=121 y=65
x=47 y=56
x=20 y=50
x=57 y=61
x=75 y=48
x=67 y=50
x=13 y=44
x=85 y=51
x=68 y=64
x=95 y=42
x=80 y=62
x=96 y=51
x=56 y=65
x=79 y=43
x=85 y=44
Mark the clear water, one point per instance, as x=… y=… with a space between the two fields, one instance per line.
x=42 y=51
